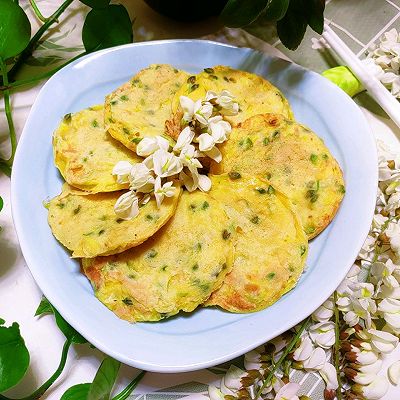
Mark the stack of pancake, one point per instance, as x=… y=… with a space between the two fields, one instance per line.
x=240 y=246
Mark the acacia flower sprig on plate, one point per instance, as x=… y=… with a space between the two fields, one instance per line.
x=204 y=129
x=354 y=329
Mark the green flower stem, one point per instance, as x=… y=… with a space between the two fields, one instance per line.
x=7 y=106
x=40 y=77
x=337 y=348
x=37 y=394
x=282 y=358
x=35 y=39
x=37 y=11
x=129 y=389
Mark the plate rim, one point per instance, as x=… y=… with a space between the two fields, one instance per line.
x=42 y=282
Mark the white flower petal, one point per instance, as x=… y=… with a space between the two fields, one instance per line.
x=188 y=181
x=166 y=164
x=210 y=95
x=316 y=361
x=206 y=142
x=140 y=176
x=203 y=112
x=366 y=357
x=304 y=351
x=187 y=105
x=375 y=390
x=127 y=206
x=328 y=374
x=122 y=170
x=394 y=373
x=147 y=146
x=214 y=154
x=204 y=183
x=373 y=368
x=384 y=342
x=214 y=393
x=288 y=391
x=233 y=377
x=184 y=138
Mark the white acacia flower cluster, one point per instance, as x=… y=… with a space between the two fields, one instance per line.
x=162 y=161
x=368 y=298
x=383 y=60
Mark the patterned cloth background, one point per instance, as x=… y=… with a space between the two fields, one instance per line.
x=358 y=22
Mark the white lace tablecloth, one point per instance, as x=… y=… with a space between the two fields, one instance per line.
x=19 y=295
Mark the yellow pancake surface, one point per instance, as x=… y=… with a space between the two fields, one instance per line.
x=176 y=269
x=86 y=154
x=140 y=107
x=254 y=94
x=293 y=159
x=271 y=247
x=87 y=225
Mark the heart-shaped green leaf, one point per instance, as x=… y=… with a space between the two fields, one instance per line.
x=315 y=14
x=77 y=392
x=292 y=27
x=238 y=13
x=104 y=380
x=14 y=356
x=96 y=3
x=275 y=11
x=15 y=29
x=44 y=307
x=68 y=331
x=106 y=27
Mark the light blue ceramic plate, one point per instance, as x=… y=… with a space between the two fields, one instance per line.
x=208 y=336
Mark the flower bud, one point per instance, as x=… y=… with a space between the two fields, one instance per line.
x=373 y=391
x=366 y=357
x=328 y=394
x=359 y=377
x=373 y=368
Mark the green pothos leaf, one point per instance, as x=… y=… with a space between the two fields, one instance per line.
x=15 y=29
x=77 y=392
x=96 y=3
x=275 y=10
x=14 y=356
x=107 y=27
x=1 y=203
x=292 y=27
x=315 y=15
x=5 y=168
x=68 y=331
x=238 y=13
x=45 y=307
x=104 y=380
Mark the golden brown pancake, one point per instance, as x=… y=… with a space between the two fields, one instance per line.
x=140 y=107
x=86 y=154
x=294 y=159
x=271 y=247
x=87 y=225
x=176 y=269
x=254 y=94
